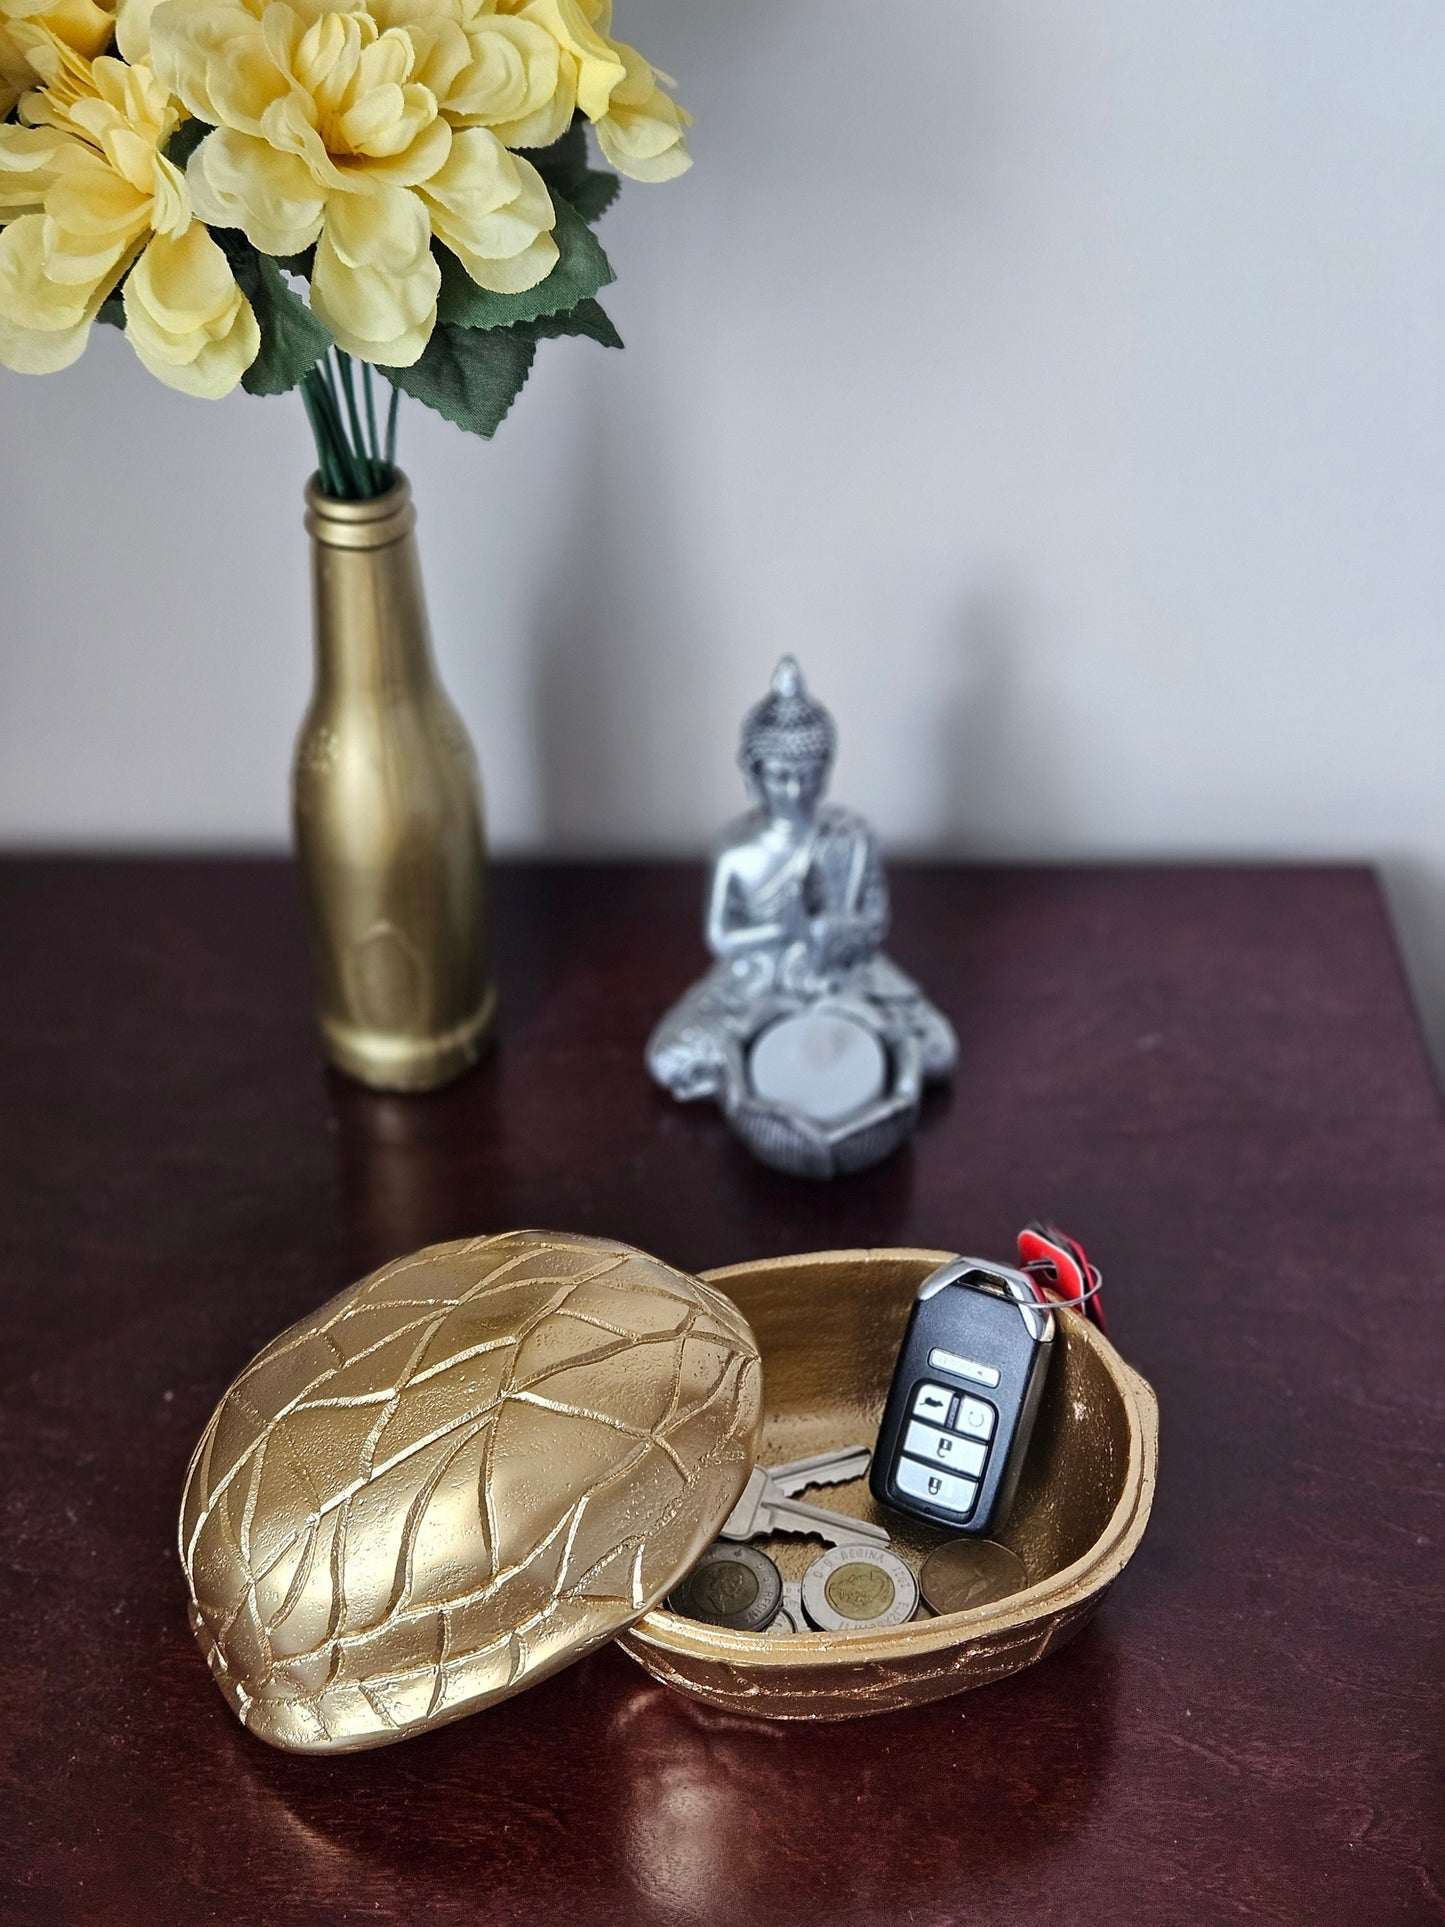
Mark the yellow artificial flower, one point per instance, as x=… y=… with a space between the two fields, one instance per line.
x=330 y=129
x=86 y=194
x=185 y=316
x=82 y=25
x=591 y=65
x=639 y=126
x=641 y=132
x=502 y=73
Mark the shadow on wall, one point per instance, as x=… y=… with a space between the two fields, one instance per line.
x=1003 y=790
x=1415 y=892
x=614 y=700
x=620 y=711
x=1008 y=789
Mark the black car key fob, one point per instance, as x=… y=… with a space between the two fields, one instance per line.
x=964 y=1394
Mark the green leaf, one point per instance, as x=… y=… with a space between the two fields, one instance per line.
x=112 y=310
x=593 y=196
x=563 y=166
x=292 y=339
x=564 y=163
x=588 y=318
x=582 y=268
x=470 y=375
x=184 y=142
x=473 y=375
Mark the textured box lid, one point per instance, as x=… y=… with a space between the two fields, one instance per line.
x=459 y=1475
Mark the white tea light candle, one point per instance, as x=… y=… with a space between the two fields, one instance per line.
x=819 y=1063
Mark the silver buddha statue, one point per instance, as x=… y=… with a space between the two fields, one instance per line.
x=815 y=1045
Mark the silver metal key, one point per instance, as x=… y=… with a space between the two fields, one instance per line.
x=768 y=1503
x=824 y=1468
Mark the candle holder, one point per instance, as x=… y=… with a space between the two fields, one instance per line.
x=813 y=1043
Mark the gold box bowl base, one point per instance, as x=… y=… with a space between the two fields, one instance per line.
x=829 y=1326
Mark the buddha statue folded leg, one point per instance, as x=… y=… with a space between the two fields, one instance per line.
x=903 y=1006
x=688 y=1051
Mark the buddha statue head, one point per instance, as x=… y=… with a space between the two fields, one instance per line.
x=787 y=748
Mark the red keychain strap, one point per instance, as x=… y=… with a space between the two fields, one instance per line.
x=1060 y=1261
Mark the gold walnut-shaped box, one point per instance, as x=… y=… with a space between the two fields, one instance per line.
x=458 y=1476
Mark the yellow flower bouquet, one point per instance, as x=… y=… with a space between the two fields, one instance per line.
x=183 y=170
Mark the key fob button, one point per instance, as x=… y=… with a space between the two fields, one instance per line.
x=945 y=1448
x=943 y=1491
x=969 y=1368
x=932 y=1402
x=976 y=1417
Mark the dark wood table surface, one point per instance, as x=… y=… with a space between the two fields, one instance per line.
x=1212 y=1075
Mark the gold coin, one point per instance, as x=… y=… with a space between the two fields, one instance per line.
x=860 y=1591
x=970 y=1572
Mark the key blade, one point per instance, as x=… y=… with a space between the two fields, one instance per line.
x=827 y=1468
x=828 y=1528
x=838 y=1528
x=744 y=1521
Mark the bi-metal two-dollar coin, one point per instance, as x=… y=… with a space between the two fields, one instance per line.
x=731 y=1585
x=854 y=1586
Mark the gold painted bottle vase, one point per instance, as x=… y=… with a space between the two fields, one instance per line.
x=388 y=814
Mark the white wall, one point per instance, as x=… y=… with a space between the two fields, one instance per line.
x=1065 y=384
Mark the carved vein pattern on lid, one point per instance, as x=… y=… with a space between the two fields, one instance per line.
x=478 y=1463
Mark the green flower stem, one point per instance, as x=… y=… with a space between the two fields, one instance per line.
x=365 y=462
x=391 y=427
x=350 y=461
x=349 y=456
x=333 y=439
x=325 y=452
x=373 y=444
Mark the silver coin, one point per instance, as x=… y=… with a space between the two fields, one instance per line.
x=970 y=1572
x=856 y=1586
x=731 y=1585
x=790 y=1617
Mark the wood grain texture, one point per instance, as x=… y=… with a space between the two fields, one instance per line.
x=1211 y=1074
